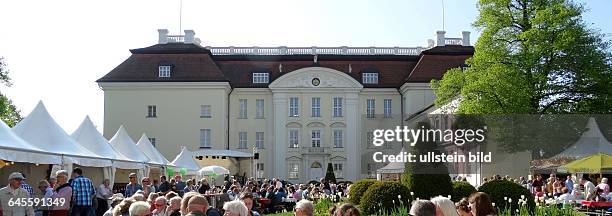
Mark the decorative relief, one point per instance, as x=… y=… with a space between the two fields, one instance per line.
x=303 y=78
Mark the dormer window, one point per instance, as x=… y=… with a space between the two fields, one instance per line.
x=370 y=78
x=261 y=77
x=164 y=70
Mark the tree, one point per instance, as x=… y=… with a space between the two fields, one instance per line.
x=8 y=112
x=533 y=57
x=426 y=180
x=330 y=177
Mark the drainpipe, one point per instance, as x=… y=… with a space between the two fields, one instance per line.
x=228 y=117
x=401 y=112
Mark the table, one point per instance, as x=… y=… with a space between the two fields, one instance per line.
x=596 y=204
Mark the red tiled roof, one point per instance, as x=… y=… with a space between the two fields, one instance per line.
x=193 y=63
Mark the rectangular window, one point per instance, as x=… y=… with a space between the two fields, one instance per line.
x=338 y=167
x=338 y=138
x=164 y=70
x=261 y=77
x=370 y=78
x=259 y=104
x=242 y=109
x=315 y=140
x=293 y=107
x=205 y=111
x=294 y=138
x=337 y=106
x=316 y=107
x=260 y=170
x=259 y=140
x=151 y=111
x=294 y=170
x=205 y=138
x=372 y=170
x=152 y=141
x=369 y=139
x=370 y=108
x=242 y=140
x=387 y=108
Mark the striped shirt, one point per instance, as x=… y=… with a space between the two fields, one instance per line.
x=28 y=188
x=82 y=191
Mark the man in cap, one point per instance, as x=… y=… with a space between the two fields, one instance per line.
x=13 y=192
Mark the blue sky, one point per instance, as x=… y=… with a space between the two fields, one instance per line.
x=57 y=49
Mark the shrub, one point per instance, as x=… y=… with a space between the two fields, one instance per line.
x=498 y=189
x=427 y=180
x=357 y=190
x=461 y=189
x=330 y=177
x=384 y=196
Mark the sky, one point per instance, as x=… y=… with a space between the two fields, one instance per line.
x=55 y=50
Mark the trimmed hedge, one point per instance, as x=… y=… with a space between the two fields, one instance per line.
x=356 y=190
x=426 y=186
x=498 y=189
x=384 y=196
x=462 y=189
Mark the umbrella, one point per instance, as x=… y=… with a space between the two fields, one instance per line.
x=596 y=163
x=213 y=171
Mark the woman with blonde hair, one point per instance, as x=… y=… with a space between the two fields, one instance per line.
x=235 y=208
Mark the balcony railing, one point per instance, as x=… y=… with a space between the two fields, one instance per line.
x=176 y=38
x=453 y=41
x=283 y=50
x=316 y=150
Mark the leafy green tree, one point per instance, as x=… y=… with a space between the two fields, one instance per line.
x=533 y=57
x=8 y=112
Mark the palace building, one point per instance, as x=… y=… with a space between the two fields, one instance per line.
x=300 y=109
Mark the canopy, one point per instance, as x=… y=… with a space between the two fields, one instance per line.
x=41 y=130
x=591 y=142
x=88 y=136
x=213 y=171
x=393 y=167
x=13 y=148
x=122 y=142
x=596 y=163
x=185 y=160
x=147 y=148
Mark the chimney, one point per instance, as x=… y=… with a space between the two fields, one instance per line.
x=466 y=38
x=440 y=38
x=430 y=43
x=189 y=36
x=163 y=36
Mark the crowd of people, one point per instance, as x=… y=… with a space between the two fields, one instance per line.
x=175 y=197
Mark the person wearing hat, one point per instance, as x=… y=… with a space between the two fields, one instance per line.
x=14 y=192
x=133 y=186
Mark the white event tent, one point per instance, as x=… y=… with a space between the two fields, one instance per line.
x=40 y=130
x=122 y=142
x=13 y=148
x=185 y=160
x=147 y=148
x=590 y=142
x=89 y=137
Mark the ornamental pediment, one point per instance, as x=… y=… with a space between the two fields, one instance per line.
x=315 y=77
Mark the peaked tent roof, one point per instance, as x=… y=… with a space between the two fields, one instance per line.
x=122 y=142
x=88 y=136
x=185 y=160
x=147 y=148
x=393 y=167
x=13 y=148
x=591 y=142
x=42 y=131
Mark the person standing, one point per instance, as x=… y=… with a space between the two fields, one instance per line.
x=47 y=192
x=180 y=185
x=13 y=191
x=62 y=191
x=164 y=186
x=26 y=186
x=147 y=188
x=569 y=184
x=103 y=193
x=604 y=186
x=132 y=187
x=83 y=193
x=589 y=187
